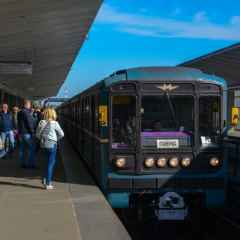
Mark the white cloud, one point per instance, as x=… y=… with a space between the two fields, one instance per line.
x=140 y=24
x=235 y=20
x=138 y=31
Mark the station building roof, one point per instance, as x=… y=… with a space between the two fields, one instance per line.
x=224 y=63
x=39 y=40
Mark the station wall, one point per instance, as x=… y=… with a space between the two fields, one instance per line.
x=10 y=99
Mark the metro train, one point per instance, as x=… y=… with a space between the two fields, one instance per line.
x=151 y=138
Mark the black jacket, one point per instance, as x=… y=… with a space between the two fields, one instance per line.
x=6 y=122
x=25 y=122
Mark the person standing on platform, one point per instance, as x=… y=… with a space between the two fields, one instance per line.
x=49 y=133
x=38 y=116
x=26 y=136
x=15 y=111
x=6 y=126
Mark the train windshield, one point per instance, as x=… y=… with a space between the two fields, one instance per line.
x=209 y=119
x=167 y=121
x=123 y=122
x=167 y=113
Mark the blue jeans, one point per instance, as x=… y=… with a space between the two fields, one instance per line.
x=27 y=142
x=10 y=136
x=51 y=156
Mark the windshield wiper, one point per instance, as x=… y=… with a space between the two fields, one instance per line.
x=173 y=112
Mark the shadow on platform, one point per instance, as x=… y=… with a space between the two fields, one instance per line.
x=12 y=174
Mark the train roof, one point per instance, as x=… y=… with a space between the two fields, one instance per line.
x=156 y=74
x=163 y=73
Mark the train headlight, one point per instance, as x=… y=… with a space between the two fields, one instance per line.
x=214 y=162
x=186 y=161
x=121 y=162
x=162 y=162
x=174 y=162
x=149 y=162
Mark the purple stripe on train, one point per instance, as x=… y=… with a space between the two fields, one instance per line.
x=164 y=134
x=119 y=145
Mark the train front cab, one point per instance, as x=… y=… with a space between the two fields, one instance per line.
x=165 y=144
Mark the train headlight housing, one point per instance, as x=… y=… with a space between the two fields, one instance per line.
x=162 y=162
x=186 y=161
x=174 y=162
x=149 y=162
x=120 y=162
x=214 y=162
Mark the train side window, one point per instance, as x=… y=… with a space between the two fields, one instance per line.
x=123 y=121
x=83 y=113
x=93 y=117
x=209 y=119
x=79 y=111
x=87 y=109
x=97 y=126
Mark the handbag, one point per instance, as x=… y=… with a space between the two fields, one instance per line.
x=2 y=143
x=47 y=143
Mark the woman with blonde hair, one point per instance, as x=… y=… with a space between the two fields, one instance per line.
x=49 y=133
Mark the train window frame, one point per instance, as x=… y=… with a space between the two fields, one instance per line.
x=122 y=87
x=220 y=120
x=194 y=113
x=97 y=124
x=92 y=114
x=168 y=83
x=216 y=89
x=129 y=147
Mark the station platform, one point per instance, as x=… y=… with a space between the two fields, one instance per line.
x=75 y=210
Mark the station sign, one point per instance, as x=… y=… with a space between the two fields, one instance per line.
x=235 y=115
x=103 y=115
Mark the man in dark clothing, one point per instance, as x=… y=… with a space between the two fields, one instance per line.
x=6 y=126
x=26 y=131
x=38 y=115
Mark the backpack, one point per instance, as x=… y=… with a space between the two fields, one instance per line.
x=45 y=142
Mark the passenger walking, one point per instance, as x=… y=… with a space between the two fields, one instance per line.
x=26 y=136
x=49 y=133
x=6 y=127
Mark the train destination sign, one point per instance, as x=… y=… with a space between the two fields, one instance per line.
x=167 y=143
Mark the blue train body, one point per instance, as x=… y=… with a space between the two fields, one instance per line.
x=152 y=136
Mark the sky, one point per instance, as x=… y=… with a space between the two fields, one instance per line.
x=133 y=33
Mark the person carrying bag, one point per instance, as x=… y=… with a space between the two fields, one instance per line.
x=49 y=133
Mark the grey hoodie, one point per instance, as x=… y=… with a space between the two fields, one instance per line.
x=49 y=130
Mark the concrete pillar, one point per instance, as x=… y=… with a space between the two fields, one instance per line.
x=1 y=96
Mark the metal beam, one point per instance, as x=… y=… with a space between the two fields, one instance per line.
x=16 y=68
x=55 y=100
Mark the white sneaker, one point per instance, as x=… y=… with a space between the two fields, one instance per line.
x=50 y=187
x=44 y=181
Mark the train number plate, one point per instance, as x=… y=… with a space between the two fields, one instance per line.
x=172 y=214
x=166 y=144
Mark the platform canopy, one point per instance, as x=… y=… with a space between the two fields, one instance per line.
x=39 y=40
x=224 y=63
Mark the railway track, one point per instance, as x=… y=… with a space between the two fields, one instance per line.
x=213 y=226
